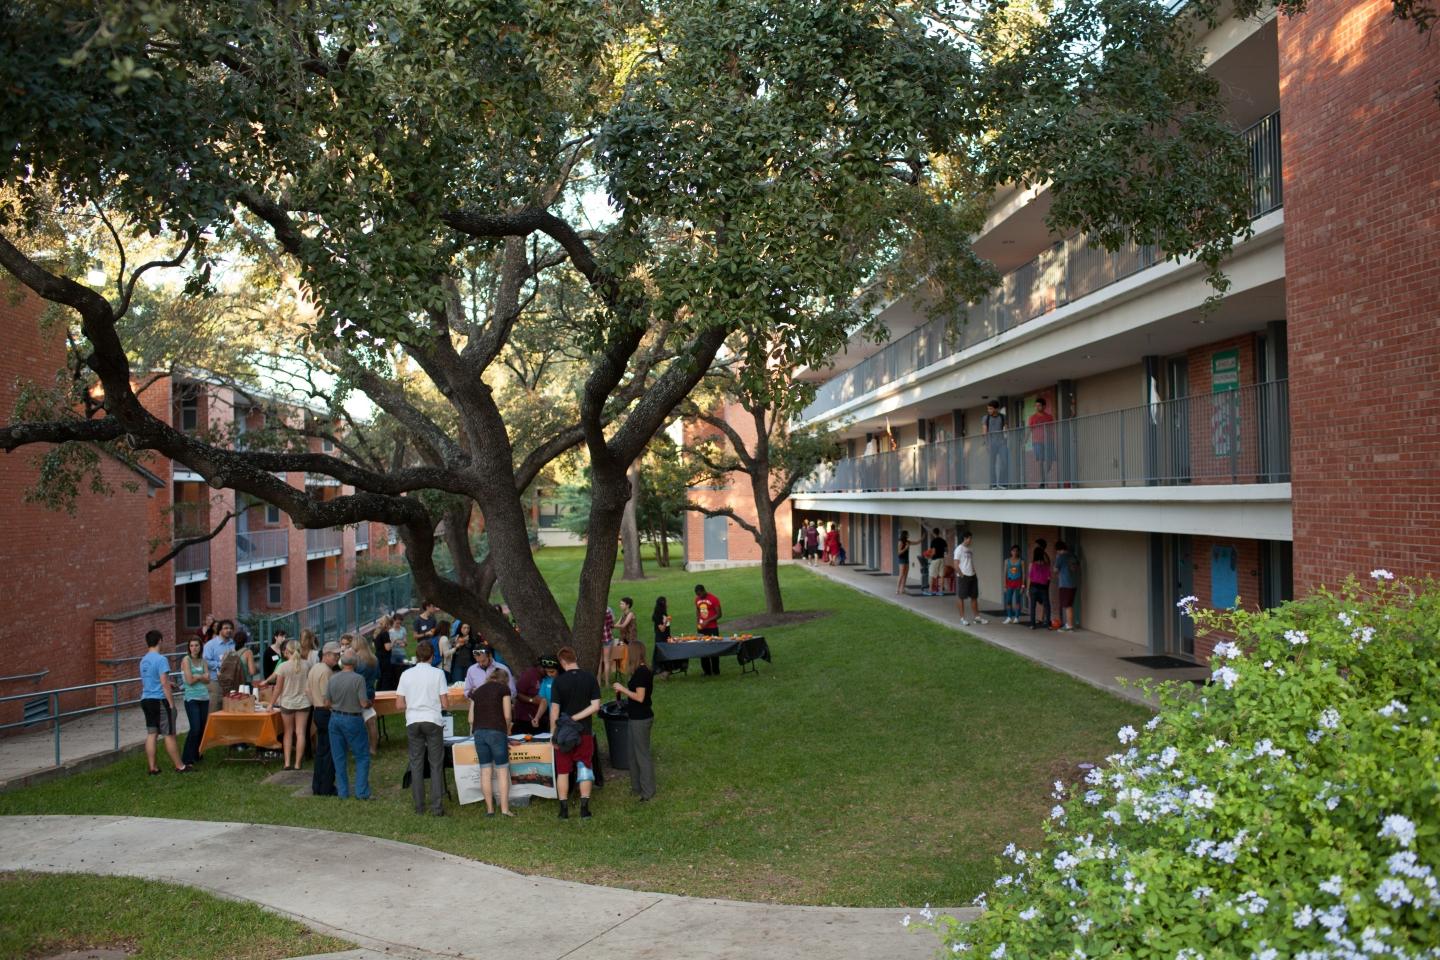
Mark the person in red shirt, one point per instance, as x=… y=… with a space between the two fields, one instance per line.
x=1042 y=438
x=832 y=545
x=707 y=624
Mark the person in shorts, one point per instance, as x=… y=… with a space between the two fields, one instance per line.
x=491 y=714
x=1067 y=572
x=575 y=694
x=157 y=702
x=967 y=584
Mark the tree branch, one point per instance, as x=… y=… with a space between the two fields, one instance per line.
x=191 y=541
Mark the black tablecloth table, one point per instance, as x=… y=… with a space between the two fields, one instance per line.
x=747 y=651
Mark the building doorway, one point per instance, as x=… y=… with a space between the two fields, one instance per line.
x=717 y=538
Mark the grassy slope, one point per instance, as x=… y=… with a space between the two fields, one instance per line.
x=42 y=913
x=883 y=760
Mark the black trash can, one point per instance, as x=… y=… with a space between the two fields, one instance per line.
x=617 y=732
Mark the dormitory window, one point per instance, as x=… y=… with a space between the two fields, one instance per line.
x=189 y=413
x=274 y=584
x=272 y=513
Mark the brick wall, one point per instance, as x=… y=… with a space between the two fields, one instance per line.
x=63 y=571
x=121 y=636
x=1247 y=580
x=741 y=546
x=1362 y=263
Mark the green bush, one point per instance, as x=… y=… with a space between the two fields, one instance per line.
x=369 y=571
x=1289 y=809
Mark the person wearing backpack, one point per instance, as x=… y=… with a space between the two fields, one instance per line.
x=575 y=699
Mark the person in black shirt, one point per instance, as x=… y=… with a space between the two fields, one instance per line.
x=427 y=625
x=575 y=694
x=939 y=549
x=642 y=716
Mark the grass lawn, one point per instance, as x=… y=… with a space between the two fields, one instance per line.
x=883 y=760
x=46 y=913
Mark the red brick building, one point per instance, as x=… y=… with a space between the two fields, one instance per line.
x=80 y=591
x=1279 y=442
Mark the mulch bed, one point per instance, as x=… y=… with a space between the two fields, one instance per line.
x=760 y=621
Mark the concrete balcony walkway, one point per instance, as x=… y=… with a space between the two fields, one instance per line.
x=1094 y=658
x=398 y=900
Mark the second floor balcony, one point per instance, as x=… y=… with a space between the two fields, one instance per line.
x=1239 y=436
x=192 y=564
x=258 y=549
x=327 y=542
x=1068 y=271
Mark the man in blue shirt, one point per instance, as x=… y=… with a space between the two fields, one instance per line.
x=158 y=705
x=214 y=651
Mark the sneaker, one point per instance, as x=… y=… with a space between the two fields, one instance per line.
x=981 y=620
x=924 y=593
x=1067 y=628
x=964 y=622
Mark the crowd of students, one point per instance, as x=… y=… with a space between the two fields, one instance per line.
x=1022 y=582
x=326 y=697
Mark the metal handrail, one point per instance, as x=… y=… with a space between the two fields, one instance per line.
x=1236 y=436
x=1069 y=270
x=54 y=715
x=26 y=676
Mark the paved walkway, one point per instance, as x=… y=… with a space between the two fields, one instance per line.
x=398 y=900
x=30 y=757
x=1082 y=654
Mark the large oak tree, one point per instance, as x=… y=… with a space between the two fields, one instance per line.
x=755 y=160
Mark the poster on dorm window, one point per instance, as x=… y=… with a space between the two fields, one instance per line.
x=532 y=769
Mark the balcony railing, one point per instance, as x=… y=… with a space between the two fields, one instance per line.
x=257 y=549
x=1239 y=436
x=320 y=480
x=362 y=537
x=192 y=564
x=1066 y=272
x=323 y=543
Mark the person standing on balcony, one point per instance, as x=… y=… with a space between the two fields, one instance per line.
x=993 y=423
x=1042 y=438
x=902 y=562
x=967 y=583
x=1040 y=584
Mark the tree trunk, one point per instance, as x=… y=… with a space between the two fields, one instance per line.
x=769 y=541
x=664 y=548
x=629 y=530
x=608 y=491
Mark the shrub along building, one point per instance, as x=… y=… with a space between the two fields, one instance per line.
x=81 y=593
x=1274 y=443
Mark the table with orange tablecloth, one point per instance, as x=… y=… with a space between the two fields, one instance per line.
x=385 y=703
x=261 y=728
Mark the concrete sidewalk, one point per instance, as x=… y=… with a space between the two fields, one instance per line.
x=1092 y=657
x=87 y=741
x=399 y=900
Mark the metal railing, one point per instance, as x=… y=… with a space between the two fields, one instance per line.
x=323 y=542
x=192 y=564
x=342 y=613
x=50 y=706
x=1069 y=270
x=1239 y=436
x=261 y=548
x=320 y=480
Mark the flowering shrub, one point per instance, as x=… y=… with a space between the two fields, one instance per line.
x=1290 y=809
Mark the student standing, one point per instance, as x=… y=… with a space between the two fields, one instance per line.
x=707 y=624
x=317 y=683
x=1042 y=438
x=1014 y=585
x=661 y=619
x=348 y=701
x=157 y=703
x=967 y=582
x=902 y=562
x=1067 y=571
x=1039 y=584
x=195 y=672
x=639 y=709
x=293 y=699
x=420 y=694
x=938 y=550
x=993 y=424
x=577 y=696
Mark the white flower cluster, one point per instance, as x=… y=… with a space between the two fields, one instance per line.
x=1187 y=605
x=1297 y=638
x=1401 y=829
x=1126 y=734
x=1226 y=851
x=1392 y=708
x=1226 y=650
x=1225 y=676
x=1382 y=574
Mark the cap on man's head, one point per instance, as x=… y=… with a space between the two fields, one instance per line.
x=332 y=647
